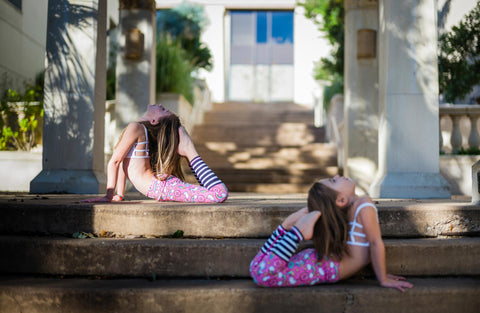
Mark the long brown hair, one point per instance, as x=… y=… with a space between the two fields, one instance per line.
x=331 y=230
x=163 y=141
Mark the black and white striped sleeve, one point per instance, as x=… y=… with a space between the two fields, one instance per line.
x=276 y=235
x=288 y=244
x=204 y=175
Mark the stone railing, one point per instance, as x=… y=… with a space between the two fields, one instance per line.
x=458 y=127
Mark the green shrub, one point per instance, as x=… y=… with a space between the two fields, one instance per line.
x=173 y=69
x=180 y=53
x=184 y=24
x=330 y=18
x=469 y=151
x=459 y=57
x=21 y=117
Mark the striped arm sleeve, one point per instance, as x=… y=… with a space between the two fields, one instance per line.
x=204 y=175
x=286 y=247
x=276 y=235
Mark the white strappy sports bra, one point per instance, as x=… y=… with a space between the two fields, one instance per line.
x=352 y=233
x=132 y=154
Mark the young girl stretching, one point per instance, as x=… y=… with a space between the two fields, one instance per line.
x=149 y=153
x=346 y=237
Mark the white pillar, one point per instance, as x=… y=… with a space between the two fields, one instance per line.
x=74 y=101
x=135 y=84
x=361 y=91
x=408 y=98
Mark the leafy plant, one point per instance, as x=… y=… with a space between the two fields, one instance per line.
x=184 y=25
x=20 y=118
x=173 y=69
x=179 y=50
x=459 y=57
x=469 y=151
x=329 y=16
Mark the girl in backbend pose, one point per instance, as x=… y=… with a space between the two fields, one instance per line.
x=149 y=153
x=346 y=237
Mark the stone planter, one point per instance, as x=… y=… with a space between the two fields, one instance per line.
x=17 y=169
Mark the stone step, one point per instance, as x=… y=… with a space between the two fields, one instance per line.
x=258 y=117
x=242 y=215
x=209 y=258
x=222 y=154
x=274 y=175
x=42 y=295
x=286 y=134
x=254 y=106
x=268 y=188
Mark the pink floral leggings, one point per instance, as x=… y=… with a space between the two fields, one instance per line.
x=173 y=189
x=268 y=269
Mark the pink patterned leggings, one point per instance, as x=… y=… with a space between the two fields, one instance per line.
x=173 y=189
x=277 y=265
x=303 y=269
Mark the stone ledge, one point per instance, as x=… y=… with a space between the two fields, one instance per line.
x=439 y=295
x=203 y=258
x=242 y=215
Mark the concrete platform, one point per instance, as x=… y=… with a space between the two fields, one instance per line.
x=243 y=215
x=204 y=258
x=430 y=295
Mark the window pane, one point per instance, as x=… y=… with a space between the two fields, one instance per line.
x=242 y=28
x=261 y=27
x=243 y=37
x=282 y=27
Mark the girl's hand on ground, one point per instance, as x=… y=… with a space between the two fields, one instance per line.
x=397 y=282
x=117 y=198
x=306 y=223
x=290 y=221
x=99 y=199
x=395 y=277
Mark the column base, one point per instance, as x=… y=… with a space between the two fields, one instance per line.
x=410 y=186
x=69 y=181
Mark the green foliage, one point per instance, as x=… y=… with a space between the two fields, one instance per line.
x=178 y=234
x=111 y=63
x=459 y=57
x=20 y=118
x=469 y=151
x=173 y=69
x=329 y=16
x=179 y=49
x=184 y=24
x=83 y=235
x=335 y=88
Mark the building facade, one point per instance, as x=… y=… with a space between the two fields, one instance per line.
x=263 y=51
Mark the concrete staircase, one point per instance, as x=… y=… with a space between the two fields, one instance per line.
x=269 y=147
x=133 y=263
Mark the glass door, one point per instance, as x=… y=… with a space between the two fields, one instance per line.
x=261 y=56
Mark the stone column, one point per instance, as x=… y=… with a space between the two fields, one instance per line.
x=135 y=61
x=408 y=99
x=74 y=101
x=361 y=91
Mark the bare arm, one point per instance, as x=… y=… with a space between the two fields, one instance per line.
x=121 y=180
x=130 y=136
x=186 y=147
x=369 y=220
